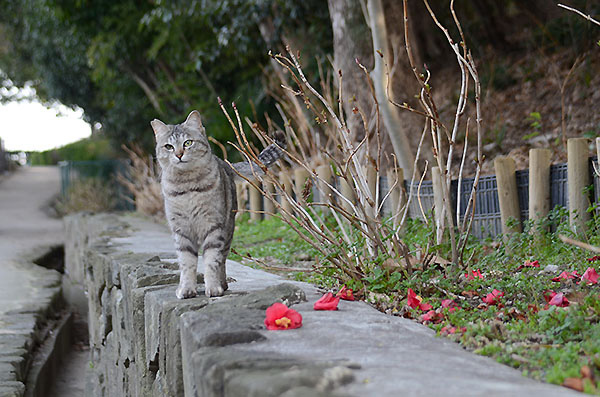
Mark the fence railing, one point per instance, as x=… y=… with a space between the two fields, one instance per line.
x=105 y=170
x=562 y=181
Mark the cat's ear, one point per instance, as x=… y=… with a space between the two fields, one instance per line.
x=159 y=127
x=194 y=120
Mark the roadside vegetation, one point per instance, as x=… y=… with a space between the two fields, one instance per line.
x=88 y=149
x=527 y=300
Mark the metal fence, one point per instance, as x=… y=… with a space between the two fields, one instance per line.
x=487 y=218
x=104 y=170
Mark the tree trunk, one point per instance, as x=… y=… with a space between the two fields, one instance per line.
x=352 y=39
x=392 y=118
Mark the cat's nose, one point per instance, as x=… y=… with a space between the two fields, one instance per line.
x=179 y=155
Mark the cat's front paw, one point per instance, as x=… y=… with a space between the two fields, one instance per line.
x=186 y=291
x=214 y=290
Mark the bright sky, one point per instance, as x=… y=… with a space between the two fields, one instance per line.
x=30 y=126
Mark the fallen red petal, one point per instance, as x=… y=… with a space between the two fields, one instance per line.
x=548 y=295
x=590 y=276
x=425 y=306
x=345 y=294
x=566 y=276
x=429 y=315
x=559 y=300
x=529 y=264
x=474 y=274
x=493 y=297
x=327 y=302
x=594 y=258
x=432 y=316
x=448 y=303
x=447 y=330
x=413 y=300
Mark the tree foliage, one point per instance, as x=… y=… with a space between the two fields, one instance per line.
x=127 y=62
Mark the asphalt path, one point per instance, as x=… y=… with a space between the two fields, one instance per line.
x=25 y=229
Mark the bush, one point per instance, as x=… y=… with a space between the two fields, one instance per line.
x=91 y=194
x=94 y=148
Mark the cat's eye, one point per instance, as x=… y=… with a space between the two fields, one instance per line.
x=187 y=143
x=169 y=147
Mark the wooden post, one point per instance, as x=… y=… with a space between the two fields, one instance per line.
x=324 y=172
x=347 y=191
x=578 y=178
x=240 y=189
x=255 y=201
x=397 y=197
x=300 y=177
x=438 y=201
x=268 y=205
x=539 y=183
x=286 y=180
x=372 y=176
x=507 y=193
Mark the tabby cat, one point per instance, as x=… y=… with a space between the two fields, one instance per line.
x=200 y=200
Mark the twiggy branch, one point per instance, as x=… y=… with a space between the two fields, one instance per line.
x=576 y=11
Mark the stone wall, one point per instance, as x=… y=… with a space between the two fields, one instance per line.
x=145 y=342
x=138 y=327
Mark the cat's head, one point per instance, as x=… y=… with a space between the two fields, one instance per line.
x=182 y=146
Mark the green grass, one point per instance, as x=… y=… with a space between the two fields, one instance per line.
x=545 y=342
x=271 y=239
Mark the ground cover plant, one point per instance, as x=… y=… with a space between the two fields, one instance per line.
x=527 y=300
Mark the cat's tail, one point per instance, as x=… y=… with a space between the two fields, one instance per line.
x=268 y=156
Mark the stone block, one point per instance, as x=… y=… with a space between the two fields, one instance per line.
x=118 y=326
x=8 y=373
x=19 y=365
x=170 y=337
x=136 y=312
x=12 y=389
x=12 y=342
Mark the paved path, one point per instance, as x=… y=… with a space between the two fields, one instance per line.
x=24 y=228
x=26 y=290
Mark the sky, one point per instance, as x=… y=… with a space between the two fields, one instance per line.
x=30 y=126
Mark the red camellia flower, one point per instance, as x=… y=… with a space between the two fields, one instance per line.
x=414 y=301
x=327 y=302
x=493 y=297
x=594 y=258
x=529 y=264
x=474 y=274
x=590 y=276
x=566 y=276
x=280 y=317
x=556 y=299
x=345 y=294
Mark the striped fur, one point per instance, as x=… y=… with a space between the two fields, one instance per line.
x=200 y=200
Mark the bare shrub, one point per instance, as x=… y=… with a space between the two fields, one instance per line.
x=357 y=238
x=89 y=194
x=144 y=183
